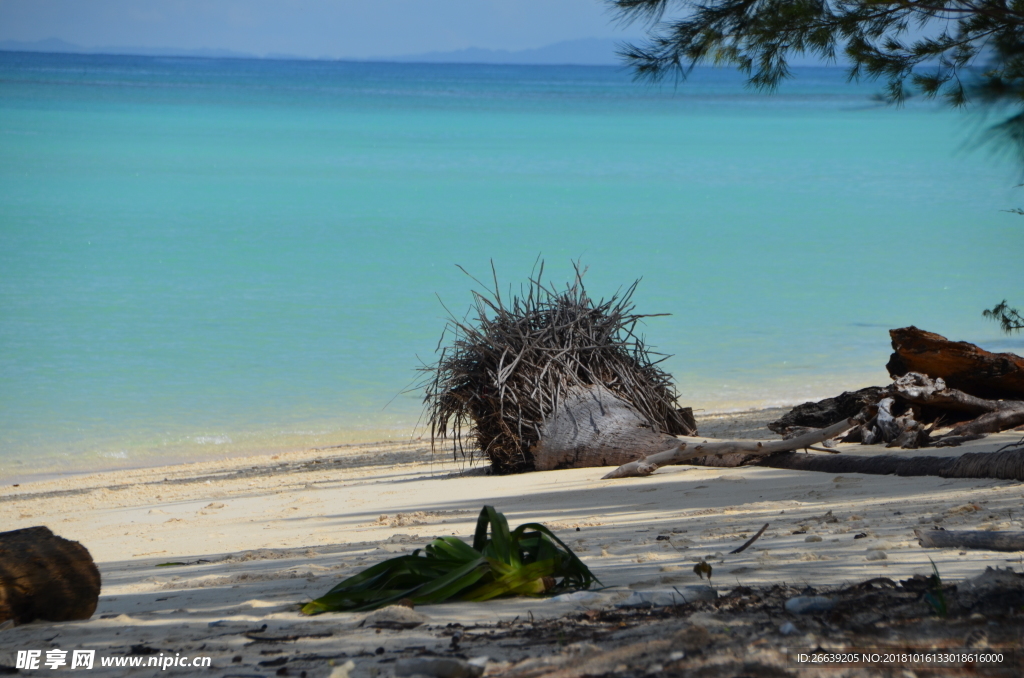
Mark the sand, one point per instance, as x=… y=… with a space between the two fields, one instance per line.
x=260 y=535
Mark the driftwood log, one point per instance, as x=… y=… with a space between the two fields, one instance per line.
x=963 y=366
x=594 y=427
x=971 y=539
x=43 y=576
x=996 y=415
x=686 y=449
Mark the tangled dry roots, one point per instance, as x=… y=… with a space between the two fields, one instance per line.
x=506 y=370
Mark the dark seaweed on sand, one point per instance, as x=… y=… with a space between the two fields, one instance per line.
x=504 y=371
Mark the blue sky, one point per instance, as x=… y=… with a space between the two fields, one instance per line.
x=360 y=29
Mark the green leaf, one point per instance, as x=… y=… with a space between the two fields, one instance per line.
x=499 y=563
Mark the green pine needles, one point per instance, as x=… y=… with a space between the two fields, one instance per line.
x=529 y=561
x=1009 y=319
x=958 y=50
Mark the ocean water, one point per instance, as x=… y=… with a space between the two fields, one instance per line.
x=203 y=258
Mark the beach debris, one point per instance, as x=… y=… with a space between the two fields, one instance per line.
x=809 y=604
x=936 y=382
x=750 y=541
x=788 y=629
x=990 y=416
x=511 y=371
x=703 y=568
x=689 y=448
x=441 y=667
x=528 y=561
x=673 y=596
x=996 y=590
x=44 y=576
x=971 y=539
x=828 y=411
x=960 y=364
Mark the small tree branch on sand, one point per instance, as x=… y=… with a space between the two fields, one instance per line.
x=691 y=448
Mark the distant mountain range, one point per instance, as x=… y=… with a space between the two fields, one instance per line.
x=587 y=51
x=584 y=52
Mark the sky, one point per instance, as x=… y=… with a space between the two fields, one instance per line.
x=352 y=29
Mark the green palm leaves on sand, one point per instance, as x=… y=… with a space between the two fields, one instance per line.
x=529 y=561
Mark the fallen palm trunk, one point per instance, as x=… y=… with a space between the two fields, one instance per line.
x=43 y=576
x=1007 y=465
x=593 y=427
x=691 y=448
x=971 y=539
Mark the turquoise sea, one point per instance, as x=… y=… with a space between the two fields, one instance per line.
x=203 y=258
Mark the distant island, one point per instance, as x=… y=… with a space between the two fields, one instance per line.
x=583 y=52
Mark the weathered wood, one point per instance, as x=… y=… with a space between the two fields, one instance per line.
x=922 y=389
x=971 y=539
x=992 y=422
x=824 y=412
x=43 y=576
x=594 y=427
x=996 y=415
x=961 y=365
x=688 y=448
x=1008 y=465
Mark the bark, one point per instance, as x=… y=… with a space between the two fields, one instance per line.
x=961 y=365
x=971 y=539
x=688 y=448
x=594 y=427
x=886 y=464
x=1008 y=465
x=43 y=576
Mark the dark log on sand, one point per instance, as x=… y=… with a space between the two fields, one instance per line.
x=828 y=411
x=991 y=422
x=961 y=365
x=971 y=539
x=686 y=449
x=594 y=427
x=43 y=576
x=1008 y=465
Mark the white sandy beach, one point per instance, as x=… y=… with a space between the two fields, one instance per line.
x=261 y=535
